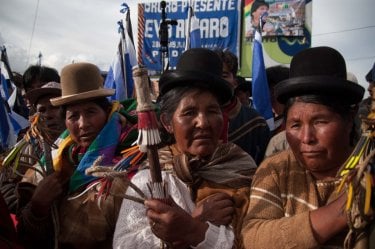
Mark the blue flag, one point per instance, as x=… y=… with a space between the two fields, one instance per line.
x=120 y=75
x=10 y=122
x=4 y=84
x=261 y=95
x=193 y=33
x=4 y=73
x=4 y=125
x=8 y=136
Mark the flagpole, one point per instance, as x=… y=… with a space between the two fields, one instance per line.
x=163 y=36
x=119 y=76
x=122 y=56
x=40 y=56
x=187 y=40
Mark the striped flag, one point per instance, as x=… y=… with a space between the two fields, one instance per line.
x=261 y=95
x=10 y=122
x=119 y=75
x=8 y=136
x=4 y=77
x=193 y=35
x=18 y=122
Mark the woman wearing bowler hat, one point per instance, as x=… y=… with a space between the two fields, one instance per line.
x=294 y=203
x=208 y=181
x=64 y=210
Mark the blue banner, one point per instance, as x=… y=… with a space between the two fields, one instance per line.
x=219 y=23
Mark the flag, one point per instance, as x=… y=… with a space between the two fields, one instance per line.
x=4 y=79
x=18 y=122
x=119 y=76
x=10 y=122
x=193 y=35
x=261 y=95
x=8 y=136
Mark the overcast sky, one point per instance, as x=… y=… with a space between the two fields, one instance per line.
x=86 y=30
x=348 y=26
x=64 y=31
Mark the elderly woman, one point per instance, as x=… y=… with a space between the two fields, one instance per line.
x=208 y=181
x=293 y=202
x=61 y=210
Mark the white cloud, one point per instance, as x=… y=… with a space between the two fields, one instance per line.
x=65 y=31
x=349 y=27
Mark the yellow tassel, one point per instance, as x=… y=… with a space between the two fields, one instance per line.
x=115 y=107
x=343 y=180
x=356 y=155
x=13 y=153
x=350 y=197
x=16 y=161
x=371 y=115
x=36 y=119
x=368 y=179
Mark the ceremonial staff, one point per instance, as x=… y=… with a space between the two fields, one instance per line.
x=357 y=174
x=148 y=130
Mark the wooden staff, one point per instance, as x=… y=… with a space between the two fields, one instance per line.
x=149 y=137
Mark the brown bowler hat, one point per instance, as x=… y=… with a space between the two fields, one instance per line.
x=319 y=71
x=81 y=81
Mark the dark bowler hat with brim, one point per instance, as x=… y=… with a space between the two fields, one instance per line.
x=198 y=67
x=319 y=71
x=52 y=89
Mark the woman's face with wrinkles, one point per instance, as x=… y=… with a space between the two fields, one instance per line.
x=197 y=123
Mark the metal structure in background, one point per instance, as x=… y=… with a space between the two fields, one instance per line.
x=40 y=56
x=163 y=36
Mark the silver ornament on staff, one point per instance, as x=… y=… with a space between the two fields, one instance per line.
x=148 y=132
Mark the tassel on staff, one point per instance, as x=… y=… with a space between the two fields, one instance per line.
x=149 y=136
x=357 y=177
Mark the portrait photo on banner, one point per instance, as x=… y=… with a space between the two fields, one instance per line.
x=281 y=18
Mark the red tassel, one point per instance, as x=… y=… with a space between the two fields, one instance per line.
x=147 y=120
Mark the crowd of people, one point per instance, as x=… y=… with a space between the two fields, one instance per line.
x=77 y=178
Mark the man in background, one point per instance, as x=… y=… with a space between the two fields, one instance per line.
x=246 y=128
x=365 y=105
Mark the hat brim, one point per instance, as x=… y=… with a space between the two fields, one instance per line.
x=36 y=94
x=217 y=85
x=347 y=91
x=74 y=98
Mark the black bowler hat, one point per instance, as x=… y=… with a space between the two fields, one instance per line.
x=319 y=71
x=198 y=67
